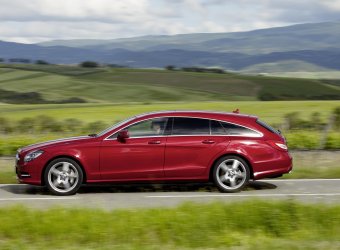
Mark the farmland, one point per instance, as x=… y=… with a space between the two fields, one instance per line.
x=272 y=112
x=115 y=85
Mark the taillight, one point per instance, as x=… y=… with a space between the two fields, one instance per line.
x=278 y=145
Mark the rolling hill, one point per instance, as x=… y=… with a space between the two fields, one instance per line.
x=62 y=84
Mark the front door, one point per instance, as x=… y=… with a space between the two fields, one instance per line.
x=139 y=157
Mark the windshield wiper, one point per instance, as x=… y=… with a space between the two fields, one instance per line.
x=92 y=135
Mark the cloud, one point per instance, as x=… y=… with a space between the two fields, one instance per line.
x=40 y=20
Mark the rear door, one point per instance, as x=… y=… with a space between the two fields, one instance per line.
x=191 y=147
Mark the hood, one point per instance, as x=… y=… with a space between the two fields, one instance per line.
x=42 y=145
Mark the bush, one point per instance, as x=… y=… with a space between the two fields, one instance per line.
x=293 y=120
x=72 y=125
x=5 y=126
x=303 y=139
x=333 y=141
x=48 y=124
x=25 y=125
x=95 y=127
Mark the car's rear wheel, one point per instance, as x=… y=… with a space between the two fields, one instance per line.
x=63 y=176
x=231 y=174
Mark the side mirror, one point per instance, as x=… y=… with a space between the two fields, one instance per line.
x=122 y=135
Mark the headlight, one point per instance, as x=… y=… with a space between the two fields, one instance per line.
x=31 y=156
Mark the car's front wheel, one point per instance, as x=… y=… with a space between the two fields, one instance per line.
x=231 y=174
x=63 y=176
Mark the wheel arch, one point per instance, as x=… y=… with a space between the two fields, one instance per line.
x=62 y=156
x=231 y=154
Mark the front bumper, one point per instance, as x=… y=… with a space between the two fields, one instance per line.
x=27 y=172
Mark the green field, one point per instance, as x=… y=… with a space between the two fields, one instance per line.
x=270 y=225
x=112 y=85
x=272 y=112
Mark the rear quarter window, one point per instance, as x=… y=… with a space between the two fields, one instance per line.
x=268 y=127
x=234 y=129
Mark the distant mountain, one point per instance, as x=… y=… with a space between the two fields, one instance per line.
x=312 y=36
x=53 y=54
x=303 y=47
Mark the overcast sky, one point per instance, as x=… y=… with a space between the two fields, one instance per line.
x=32 y=21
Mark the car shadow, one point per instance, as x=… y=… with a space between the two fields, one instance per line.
x=135 y=188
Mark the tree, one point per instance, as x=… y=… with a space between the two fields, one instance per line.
x=170 y=67
x=89 y=64
x=19 y=60
x=41 y=62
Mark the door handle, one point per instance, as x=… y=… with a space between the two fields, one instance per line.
x=208 y=142
x=154 y=142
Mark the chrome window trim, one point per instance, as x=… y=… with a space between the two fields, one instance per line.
x=173 y=116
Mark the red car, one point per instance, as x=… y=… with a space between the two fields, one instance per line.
x=226 y=148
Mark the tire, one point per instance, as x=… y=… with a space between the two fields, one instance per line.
x=231 y=174
x=63 y=176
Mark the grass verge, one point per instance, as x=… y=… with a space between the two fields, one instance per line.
x=212 y=226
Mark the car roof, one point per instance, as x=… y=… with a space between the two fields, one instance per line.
x=197 y=113
x=241 y=119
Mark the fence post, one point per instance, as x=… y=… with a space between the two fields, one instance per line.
x=324 y=133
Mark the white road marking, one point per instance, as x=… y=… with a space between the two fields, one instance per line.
x=238 y=195
x=38 y=198
x=270 y=180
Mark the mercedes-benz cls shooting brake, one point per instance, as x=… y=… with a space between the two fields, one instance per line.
x=228 y=149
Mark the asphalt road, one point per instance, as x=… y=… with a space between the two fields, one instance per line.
x=138 y=196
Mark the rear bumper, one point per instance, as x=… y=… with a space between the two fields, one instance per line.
x=272 y=173
x=280 y=166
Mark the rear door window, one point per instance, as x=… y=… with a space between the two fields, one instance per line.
x=190 y=126
x=216 y=128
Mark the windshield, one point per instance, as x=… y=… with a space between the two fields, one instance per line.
x=115 y=126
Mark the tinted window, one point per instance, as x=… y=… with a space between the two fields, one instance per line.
x=190 y=126
x=153 y=127
x=233 y=129
x=216 y=128
x=268 y=127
